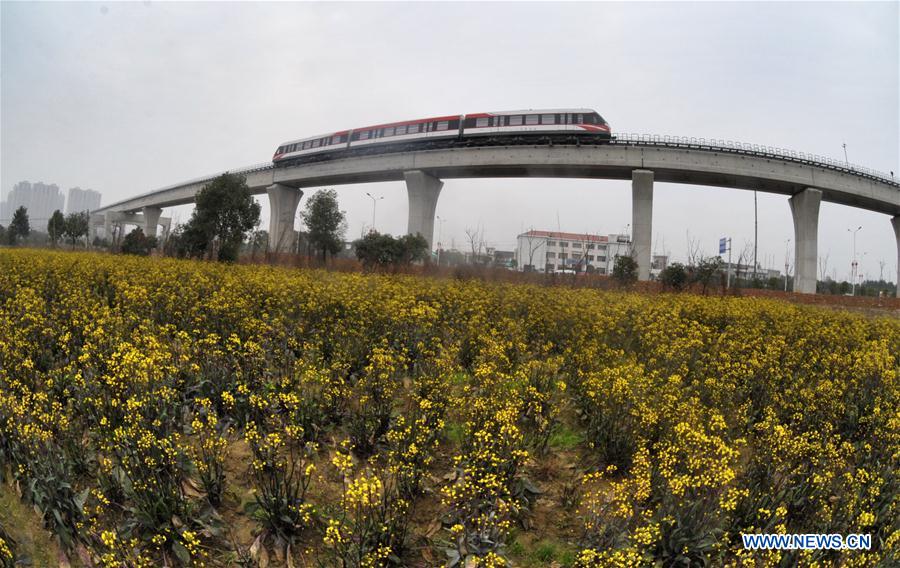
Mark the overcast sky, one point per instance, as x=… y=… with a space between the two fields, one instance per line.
x=125 y=98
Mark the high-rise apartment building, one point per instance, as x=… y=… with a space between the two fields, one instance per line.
x=40 y=199
x=82 y=200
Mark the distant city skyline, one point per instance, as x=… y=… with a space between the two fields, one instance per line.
x=42 y=199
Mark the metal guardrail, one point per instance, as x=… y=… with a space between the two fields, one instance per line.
x=651 y=140
x=244 y=170
x=756 y=150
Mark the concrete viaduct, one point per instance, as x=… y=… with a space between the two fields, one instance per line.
x=808 y=180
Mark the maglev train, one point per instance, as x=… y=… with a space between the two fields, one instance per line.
x=518 y=123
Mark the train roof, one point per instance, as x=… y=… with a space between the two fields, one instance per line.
x=448 y=117
x=540 y=111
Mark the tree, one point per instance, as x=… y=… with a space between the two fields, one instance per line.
x=476 y=243
x=705 y=270
x=326 y=223
x=76 y=226
x=225 y=212
x=137 y=243
x=2 y=234
x=19 y=226
x=625 y=270
x=258 y=241
x=674 y=276
x=534 y=243
x=56 y=227
x=379 y=251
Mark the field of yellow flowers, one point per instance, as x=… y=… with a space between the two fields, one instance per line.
x=169 y=413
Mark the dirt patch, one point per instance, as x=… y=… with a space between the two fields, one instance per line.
x=33 y=544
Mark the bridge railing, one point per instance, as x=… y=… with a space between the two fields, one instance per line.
x=244 y=170
x=719 y=145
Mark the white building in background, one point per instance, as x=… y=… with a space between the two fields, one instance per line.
x=80 y=200
x=552 y=251
x=40 y=199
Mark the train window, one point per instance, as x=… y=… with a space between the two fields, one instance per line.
x=548 y=119
x=589 y=119
x=481 y=122
x=315 y=143
x=579 y=118
x=412 y=128
x=442 y=125
x=531 y=119
x=515 y=120
x=364 y=135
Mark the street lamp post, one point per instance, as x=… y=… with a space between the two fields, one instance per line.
x=786 y=263
x=375 y=201
x=440 y=232
x=853 y=263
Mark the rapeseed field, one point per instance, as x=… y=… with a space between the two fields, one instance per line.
x=171 y=413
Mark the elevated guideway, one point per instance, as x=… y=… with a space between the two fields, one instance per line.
x=644 y=159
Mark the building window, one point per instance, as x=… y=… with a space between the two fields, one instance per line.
x=551 y=243
x=576 y=245
x=601 y=270
x=551 y=255
x=563 y=256
x=601 y=258
x=563 y=245
x=590 y=247
x=590 y=258
x=549 y=267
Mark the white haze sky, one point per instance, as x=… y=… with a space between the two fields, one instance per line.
x=127 y=97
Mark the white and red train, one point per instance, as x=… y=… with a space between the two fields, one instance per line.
x=518 y=124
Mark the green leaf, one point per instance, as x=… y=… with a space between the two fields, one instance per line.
x=181 y=553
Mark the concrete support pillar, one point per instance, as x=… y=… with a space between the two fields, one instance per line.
x=805 y=210
x=423 y=190
x=151 y=220
x=283 y=202
x=895 y=221
x=642 y=220
x=107 y=227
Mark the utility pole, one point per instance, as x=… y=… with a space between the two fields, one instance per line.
x=440 y=231
x=786 y=263
x=755 y=235
x=853 y=263
x=725 y=242
x=846 y=161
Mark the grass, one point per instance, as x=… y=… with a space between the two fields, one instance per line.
x=454 y=432
x=544 y=552
x=564 y=438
